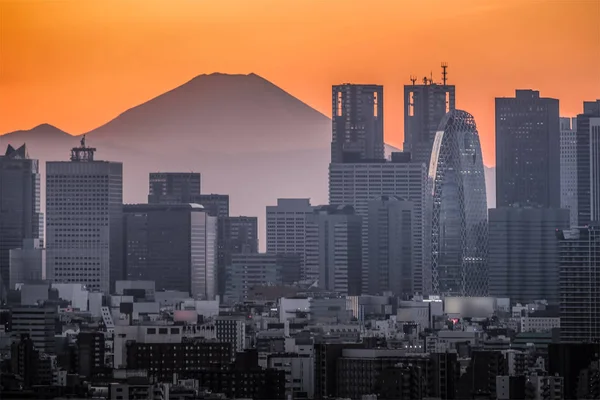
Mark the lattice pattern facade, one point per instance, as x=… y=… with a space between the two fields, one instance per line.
x=458 y=211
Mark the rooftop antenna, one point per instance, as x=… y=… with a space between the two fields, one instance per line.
x=431 y=77
x=82 y=153
x=424 y=80
x=413 y=79
x=444 y=72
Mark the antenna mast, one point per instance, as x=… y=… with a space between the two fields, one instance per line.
x=413 y=79
x=83 y=153
x=444 y=72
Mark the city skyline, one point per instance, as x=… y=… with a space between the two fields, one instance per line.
x=81 y=94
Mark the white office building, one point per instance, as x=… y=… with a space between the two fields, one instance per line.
x=84 y=212
x=357 y=184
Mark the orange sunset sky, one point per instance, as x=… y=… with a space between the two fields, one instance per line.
x=78 y=63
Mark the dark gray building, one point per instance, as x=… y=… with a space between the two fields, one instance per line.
x=237 y=235
x=333 y=247
x=37 y=322
x=424 y=106
x=20 y=216
x=217 y=205
x=579 y=255
x=527 y=150
x=357 y=123
x=245 y=271
x=169 y=244
x=84 y=220
x=523 y=262
x=173 y=187
x=588 y=175
x=390 y=240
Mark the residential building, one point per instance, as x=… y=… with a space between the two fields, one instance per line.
x=458 y=210
x=84 y=223
x=20 y=216
x=357 y=123
x=173 y=187
x=424 y=107
x=527 y=150
x=523 y=260
x=333 y=247
x=390 y=241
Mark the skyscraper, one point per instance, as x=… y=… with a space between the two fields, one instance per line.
x=356 y=184
x=216 y=205
x=357 y=123
x=579 y=254
x=568 y=167
x=20 y=216
x=523 y=260
x=390 y=242
x=588 y=163
x=167 y=244
x=173 y=187
x=458 y=210
x=286 y=230
x=333 y=247
x=84 y=226
x=424 y=107
x=527 y=150
x=236 y=235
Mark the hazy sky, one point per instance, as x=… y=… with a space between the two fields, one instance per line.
x=78 y=63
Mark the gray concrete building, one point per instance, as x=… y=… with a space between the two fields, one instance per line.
x=527 y=150
x=357 y=123
x=523 y=259
x=357 y=184
x=249 y=270
x=588 y=163
x=333 y=247
x=286 y=230
x=568 y=167
x=173 y=187
x=424 y=106
x=579 y=255
x=27 y=263
x=20 y=216
x=390 y=241
x=174 y=245
x=39 y=323
x=84 y=223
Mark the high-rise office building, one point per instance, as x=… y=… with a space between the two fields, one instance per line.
x=568 y=167
x=173 y=245
x=286 y=230
x=390 y=242
x=527 y=150
x=84 y=224
x=588 y=163
x=579 y=255
x=246 y=271
x=333 y=247
x=27 y=263
x=236 y=235
x=217 y=205
x=356 y=184
x=424 y=107
x=523 y=260
x=20 y=216
x=173 y=187
x=357 y=123
x=457 y=213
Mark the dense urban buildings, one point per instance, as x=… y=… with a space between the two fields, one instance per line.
x=390 y=241
x=568 y=167
x=579 y=256
x=357 y=123
x=173 y=187
x=523 y=261
x=286 y=230
x=588 y=178
x=20 y=216
x=170 y=244
x=425 y=105
x=84 y=220
x=527 y=150
x=333 y=248
x=458 y=211
x=357 y=184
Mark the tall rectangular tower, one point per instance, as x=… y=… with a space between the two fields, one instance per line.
x=20 y=216
x=588 y=159
x=357 y=123
x=568 y=167
x=424 y=106
x=527 y=150
x=84 y=226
